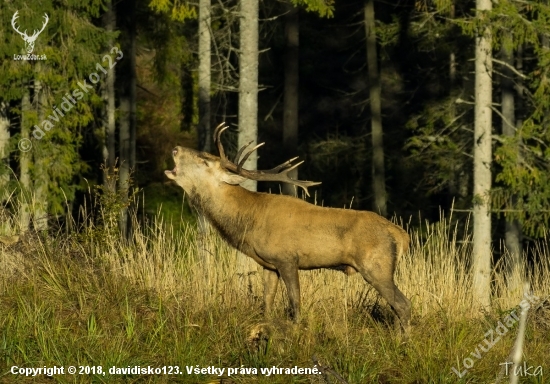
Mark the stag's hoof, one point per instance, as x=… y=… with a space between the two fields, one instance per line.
x=275 y=332
x=259 y=336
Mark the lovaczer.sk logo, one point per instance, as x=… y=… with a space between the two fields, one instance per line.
x=29 y=40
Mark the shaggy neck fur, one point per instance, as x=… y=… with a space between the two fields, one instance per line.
x=228 y=215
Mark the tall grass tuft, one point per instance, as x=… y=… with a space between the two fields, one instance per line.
x=82 y=298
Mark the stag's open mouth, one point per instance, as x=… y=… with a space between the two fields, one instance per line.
x=171 y=173
x=174 y=153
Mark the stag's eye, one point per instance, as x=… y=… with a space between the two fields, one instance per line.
x=202 y=160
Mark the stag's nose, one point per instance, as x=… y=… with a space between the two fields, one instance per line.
x=175 y=151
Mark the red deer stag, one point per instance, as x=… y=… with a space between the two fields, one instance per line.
x=285 y=234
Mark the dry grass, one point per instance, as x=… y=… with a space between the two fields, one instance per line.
x=89 y=298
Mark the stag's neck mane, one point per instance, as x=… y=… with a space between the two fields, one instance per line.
x=232 y=210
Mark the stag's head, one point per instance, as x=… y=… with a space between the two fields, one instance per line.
x=29 y=40
x=196 y=169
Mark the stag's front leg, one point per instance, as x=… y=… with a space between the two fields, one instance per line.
x=289 y=273
x=271 y=281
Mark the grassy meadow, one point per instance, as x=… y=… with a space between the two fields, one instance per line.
x=85 y=297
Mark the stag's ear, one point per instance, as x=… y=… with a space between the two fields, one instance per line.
x=231 y=178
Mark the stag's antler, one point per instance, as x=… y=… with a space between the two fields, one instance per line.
x=13 y=19
x=29 y=40
x=46 y=19
x=279 y=173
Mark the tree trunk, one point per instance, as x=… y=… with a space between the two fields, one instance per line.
x=41 y=179
x=482 y=163
x=514 y=263
x=127 y=133
x=203 y=129
x=188 y=91
x=133 y=102
x=133 y=81
x=25 y=165
x=248 y=108
x=4 y=152
x=109 y=122
x=205 y=76
x=290 y=117
x=452 y=55
x=378 y=171
x=124 y=156
x=460 y=182
x=248 y=83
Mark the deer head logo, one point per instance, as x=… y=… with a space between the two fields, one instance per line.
x=29 y=40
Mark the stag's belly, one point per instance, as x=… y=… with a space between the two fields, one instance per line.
x=311 y=250
x=262 y=261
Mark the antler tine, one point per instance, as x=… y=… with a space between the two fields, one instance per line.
x=303 y=184
x=241 y=163
x=292 y=167
x=282 y=166
x=283 y=176
x=46 y=18
x=238 y=155
x=217 y=133
x=13 y=20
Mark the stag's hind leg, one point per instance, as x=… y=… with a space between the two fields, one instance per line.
x=382 y=280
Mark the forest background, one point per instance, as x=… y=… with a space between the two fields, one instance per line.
x=430 y=113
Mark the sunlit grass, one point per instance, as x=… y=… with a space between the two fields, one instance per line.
x=75 y=300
